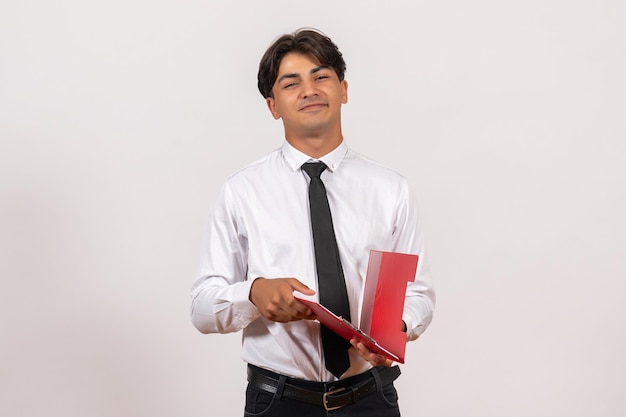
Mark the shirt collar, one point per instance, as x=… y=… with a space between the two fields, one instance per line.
x=295 y=158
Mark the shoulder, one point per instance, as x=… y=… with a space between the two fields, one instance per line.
x=360 y=164
x=253 y=170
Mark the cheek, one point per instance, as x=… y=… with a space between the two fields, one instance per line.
x=284 y=105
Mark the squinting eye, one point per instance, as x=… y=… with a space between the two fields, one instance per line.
x=289 y=85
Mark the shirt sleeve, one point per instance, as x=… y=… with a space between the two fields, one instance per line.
x=220 y=295
x=420 y=296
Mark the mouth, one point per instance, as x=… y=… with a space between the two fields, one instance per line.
x=312 y=107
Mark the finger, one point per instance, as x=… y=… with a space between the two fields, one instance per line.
x=373 y=358
x=378 y=360
x=382 y=361
x=291 y=310
x=300 y=287
x=303 y=311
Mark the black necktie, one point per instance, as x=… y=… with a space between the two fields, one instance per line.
x=332 y=286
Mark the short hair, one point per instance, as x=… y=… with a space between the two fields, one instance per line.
x=310 y=42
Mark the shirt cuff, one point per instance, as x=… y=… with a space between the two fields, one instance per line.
x=247 y=312
x=413 y=330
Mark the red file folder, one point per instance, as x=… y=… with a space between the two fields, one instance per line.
x=388 y=274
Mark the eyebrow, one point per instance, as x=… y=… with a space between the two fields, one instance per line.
x=295 y=75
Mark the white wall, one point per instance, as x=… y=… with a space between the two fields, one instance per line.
x=119 y=120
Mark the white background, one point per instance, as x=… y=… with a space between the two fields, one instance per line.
x=119 y=120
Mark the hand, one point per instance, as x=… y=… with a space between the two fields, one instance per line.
x=274 y=299
x=373 y=358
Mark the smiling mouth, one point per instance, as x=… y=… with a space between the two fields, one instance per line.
x=313 y=106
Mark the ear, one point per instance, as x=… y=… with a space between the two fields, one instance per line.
x=344 y=92
x=271 y=105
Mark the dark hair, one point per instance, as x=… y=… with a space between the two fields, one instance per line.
x=304 y=41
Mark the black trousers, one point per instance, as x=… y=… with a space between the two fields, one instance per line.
x=382 y=403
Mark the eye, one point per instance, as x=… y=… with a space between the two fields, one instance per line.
x=321 y=77
x=289 y=85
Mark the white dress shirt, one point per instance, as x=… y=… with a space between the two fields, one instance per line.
x=259 y=226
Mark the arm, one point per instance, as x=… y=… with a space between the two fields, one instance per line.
x=223 y=299
x=220 y=302
x=420 y=296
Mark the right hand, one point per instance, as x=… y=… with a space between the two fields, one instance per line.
x=274 y=299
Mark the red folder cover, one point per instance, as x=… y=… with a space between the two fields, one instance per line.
x=383 y=302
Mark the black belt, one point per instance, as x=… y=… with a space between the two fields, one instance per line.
x=330 y=395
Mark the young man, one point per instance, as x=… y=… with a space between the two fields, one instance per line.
x=262 y=246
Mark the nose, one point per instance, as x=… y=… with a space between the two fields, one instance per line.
x=309 y=89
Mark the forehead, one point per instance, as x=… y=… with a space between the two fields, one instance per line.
x=297 y=63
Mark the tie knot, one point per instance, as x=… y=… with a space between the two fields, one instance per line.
x=314 y=169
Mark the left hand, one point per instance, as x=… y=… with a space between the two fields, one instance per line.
x=373 y=358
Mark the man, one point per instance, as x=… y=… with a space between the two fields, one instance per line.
x=261 y=247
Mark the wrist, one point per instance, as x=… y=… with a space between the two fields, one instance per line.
x=252 y=287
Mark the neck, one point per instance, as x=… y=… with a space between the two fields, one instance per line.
x=315 y=146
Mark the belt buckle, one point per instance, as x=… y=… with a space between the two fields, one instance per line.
x=325 y=399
